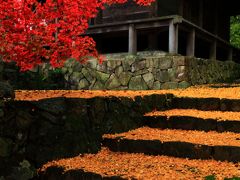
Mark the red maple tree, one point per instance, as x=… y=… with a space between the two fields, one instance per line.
x=36 y=31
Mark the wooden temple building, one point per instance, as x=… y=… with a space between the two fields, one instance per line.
x=198 y=28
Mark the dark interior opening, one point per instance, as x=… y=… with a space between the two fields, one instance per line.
x=182 y=42
x=202 y=48
x=142 y=42
x=163 y=41
x=111 y=42
x=222 y=53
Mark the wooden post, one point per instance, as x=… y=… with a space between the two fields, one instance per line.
x=132 y=39
x=191 y=43
x=173 y=38
x=213 y=51
x=230 y=54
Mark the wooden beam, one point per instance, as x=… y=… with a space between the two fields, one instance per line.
x=213 y=50
x=191 y=43
x=132 y=39
x=173 y=38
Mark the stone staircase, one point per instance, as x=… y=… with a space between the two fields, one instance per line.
x=205 y=131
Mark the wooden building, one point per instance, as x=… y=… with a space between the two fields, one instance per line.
x=198 y=28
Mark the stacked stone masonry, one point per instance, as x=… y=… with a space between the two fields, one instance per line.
x=145 y=72
x=1 y=93
x=34 y=132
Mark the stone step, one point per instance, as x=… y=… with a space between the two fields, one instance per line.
x=192 y=119
x=177 y=143
x=206 y=104
x=115 y=165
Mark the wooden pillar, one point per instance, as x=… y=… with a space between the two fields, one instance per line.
x=213 y=51
x=230 y=54
x=132 y=39
x=173 y=38
x=191 y=43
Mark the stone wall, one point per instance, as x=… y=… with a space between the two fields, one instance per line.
x=1 y=93
x=34 y=132
x=204 y=71
x=43 y=77
x=6 y=93
x=147 y=71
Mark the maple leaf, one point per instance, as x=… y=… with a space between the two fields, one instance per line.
x=37 y=31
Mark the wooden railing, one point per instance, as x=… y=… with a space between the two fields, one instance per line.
x=173 y=23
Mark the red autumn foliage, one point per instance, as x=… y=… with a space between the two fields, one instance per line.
x=37 y=31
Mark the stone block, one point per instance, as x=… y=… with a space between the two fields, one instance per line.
x=98 y=86
x=67 y=77
x=87 y=74
x=70 y=70
x=149 y=79
x=118 y=71
x=77 y=67
x=124 y=78
x=179 y=61
x=130 y=59
x=149 y=63
x=92 y=64
x=184 y=84
x=122 y=88
x=181 y=73
x=169 y=85
x=165 y=63
x=172 y=74
x=137 y=83
x=155 y=62
x=113 y=82
x=138 y=65
x=111 y=64
x=126 y=66
x=163 y=76
x=76 y=76
x=156 y=85
x=102 y=77
x=83 y=84
x=102 y=67
x=140 y=72
x=64 y=70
